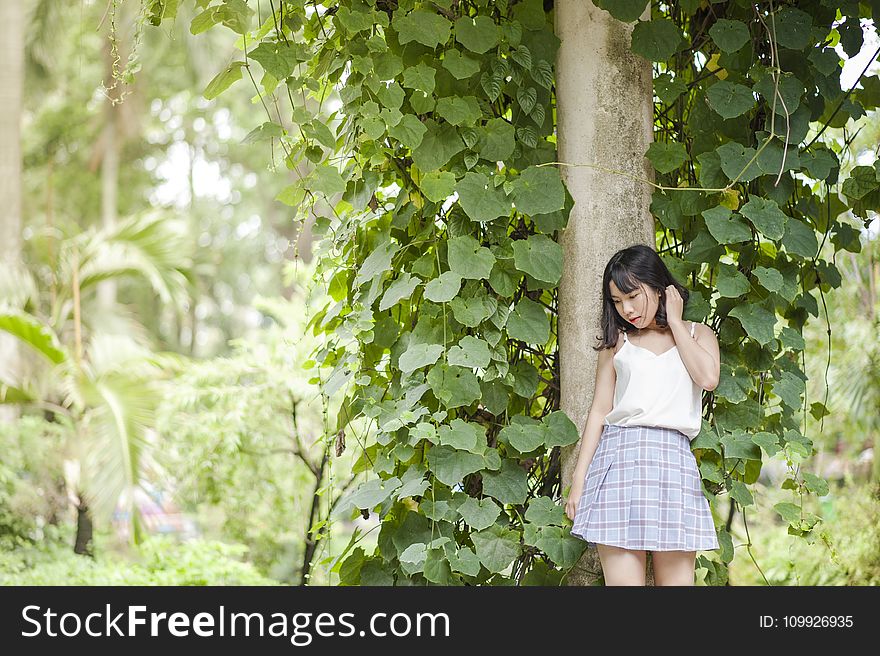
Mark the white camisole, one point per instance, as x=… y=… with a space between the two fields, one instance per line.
x=655 y=390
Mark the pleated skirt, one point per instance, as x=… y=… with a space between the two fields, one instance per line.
x=643 y=491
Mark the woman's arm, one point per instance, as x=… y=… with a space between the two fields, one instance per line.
x=603 y=401
x=700 y=353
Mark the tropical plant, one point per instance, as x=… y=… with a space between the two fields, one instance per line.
x=99 y=374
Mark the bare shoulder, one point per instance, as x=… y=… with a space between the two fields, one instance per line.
x=704 y=334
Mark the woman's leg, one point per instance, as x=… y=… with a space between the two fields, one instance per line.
x=674 y=567
x=622 y=566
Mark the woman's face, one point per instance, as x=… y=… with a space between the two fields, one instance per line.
x=638 y=307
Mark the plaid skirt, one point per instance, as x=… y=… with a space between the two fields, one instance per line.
x=643 y=491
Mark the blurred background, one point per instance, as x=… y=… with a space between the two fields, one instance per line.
x=160 y=422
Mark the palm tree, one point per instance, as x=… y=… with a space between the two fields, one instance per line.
x=99 y=373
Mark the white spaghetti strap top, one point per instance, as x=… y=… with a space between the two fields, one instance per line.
x=655 y=390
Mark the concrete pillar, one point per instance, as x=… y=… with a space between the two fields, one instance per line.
x=604 y=118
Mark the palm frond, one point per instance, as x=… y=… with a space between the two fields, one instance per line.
x=152 y=247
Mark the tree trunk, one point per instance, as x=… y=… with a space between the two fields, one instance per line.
x=12 y=24
x=604 y=118
x=83 y=543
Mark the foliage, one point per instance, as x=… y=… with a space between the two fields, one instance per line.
x=101 y=384
x=846 y=551
x=31 y=483
x=442 y=324
x=241 y=436
x=159 y=561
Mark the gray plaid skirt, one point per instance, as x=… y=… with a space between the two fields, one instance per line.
x=643 y=491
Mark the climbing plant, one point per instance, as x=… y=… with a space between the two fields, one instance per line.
x=444 y=206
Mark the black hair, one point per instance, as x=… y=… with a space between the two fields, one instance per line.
x=628 y=268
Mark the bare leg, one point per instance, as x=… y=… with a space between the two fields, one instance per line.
x=622 y=566
x=674 y=567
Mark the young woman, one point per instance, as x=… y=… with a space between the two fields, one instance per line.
x=636 y=486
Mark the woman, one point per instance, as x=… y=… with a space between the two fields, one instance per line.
x=636 y=486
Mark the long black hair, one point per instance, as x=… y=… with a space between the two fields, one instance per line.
x=627 y=268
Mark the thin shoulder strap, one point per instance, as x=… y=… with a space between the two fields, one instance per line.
x=693 y=325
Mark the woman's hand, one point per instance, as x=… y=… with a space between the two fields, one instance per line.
x=571 y=504
x=674 y=305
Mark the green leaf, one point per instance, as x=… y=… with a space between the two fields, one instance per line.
x=731 y=283
x=367 y=495
x=729 y=99
x=725 y=226
x=739 y=492
x=736 y=162
x=463 y=436
x=789 y=512
x=787 y=91
x=862 y=181
x=264 y=132
x=623 y=10
x=419 y=355
x=378 y=261
x=509 y=485
x=656 y=40
x=497 y=547
x=453 y=386
x=451 y=466
x=468 y=259
x=401 y=288
x=477 y=34
x=444 y=288
x=757 y=322
x=819 y=162
x=438 y=185
x=767 y=441
x=770 y=279
x=326 y=179
x=800 y=239
x=529 y=322
x=277 y=59
x=499 y=140
x=793 y=28
x=460 y=65
x=459 y=111
x=524 y=436
x=538 y=190
x=223 y=80
x=816 y=484
x=472 y=311
x=729 y=35
x=561 y=430
x=543 y=511
x=540 y=257
x=421 y=77
x=479 y=514
x=465 y=561
x=410 y=131
x=426 y=27
x=470 y=352
x=560 y=546
x=766 y=216
x=668 y=89
x=35 y=334
x=437 y=147
x=666 y=157
x=789 y=388
x=481 y=199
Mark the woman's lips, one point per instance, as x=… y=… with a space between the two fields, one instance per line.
x=634 y=320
